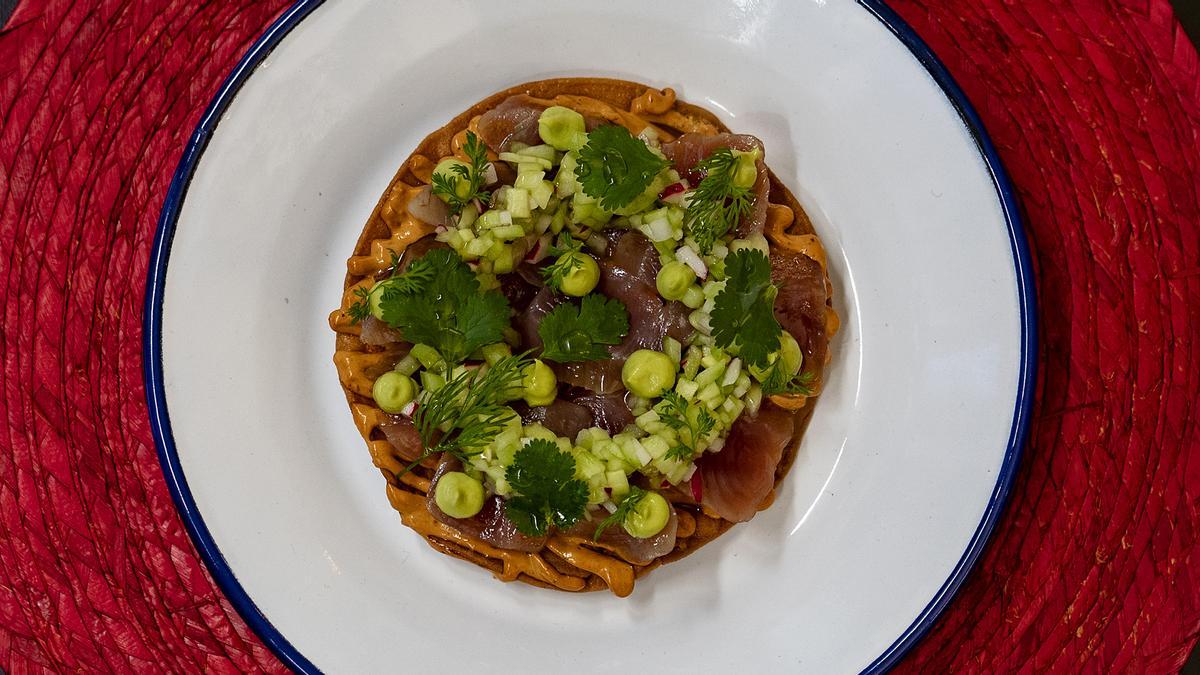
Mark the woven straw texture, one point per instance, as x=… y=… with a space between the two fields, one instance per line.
x=1095 y=108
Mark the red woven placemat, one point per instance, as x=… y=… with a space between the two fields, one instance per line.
x=1095 y=109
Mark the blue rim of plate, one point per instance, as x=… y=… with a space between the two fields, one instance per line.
x=156 y=282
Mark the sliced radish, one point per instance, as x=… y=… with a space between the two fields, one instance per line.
x=697 y=485
x=410 y=409
x=671 y=190
x=541 y=249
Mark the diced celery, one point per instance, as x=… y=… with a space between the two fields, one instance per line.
x=753 y=399
x=709 y=392
x=687 y=389
x=657 y=230
x=712 y=288
x=408 y=365
x=736 y=409
x=675 y=216
x=732 y=372
x=700 y=321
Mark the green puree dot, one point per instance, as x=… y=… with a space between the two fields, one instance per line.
x=392 y=391
x=648 y=373
x=648 y=517
x=458 y=495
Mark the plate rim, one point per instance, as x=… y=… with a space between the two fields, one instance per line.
x=159 y=417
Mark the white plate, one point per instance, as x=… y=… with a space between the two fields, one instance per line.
x=902 y=472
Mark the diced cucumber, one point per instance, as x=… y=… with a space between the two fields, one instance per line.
x=429 y=357
x=488 y=220
x=656 y=445
x=526 y=181
x=687 y=389
x=543 y=151
x=494 y=352
x=526 y=162
x=518 y=203
x=508 y=232
x=541 y=194
x=479 y=246
x=408 y=365
x=673 y=349
x=504 y=263
x=467 y=217
x=537 y=431
x=431 y=381
x=618 y=482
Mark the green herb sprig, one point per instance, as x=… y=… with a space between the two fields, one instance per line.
x=675 y=412
x=626 y=507
x=447 y=187
x=717 y=205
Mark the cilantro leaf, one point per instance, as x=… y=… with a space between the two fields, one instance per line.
x=694 y=421
x=437 y=302
x=717 y=205
x=450 y=187
x=627 y=505
x=581 y=332
x=744 y=313
x=548 y=493
x=614 y=167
